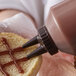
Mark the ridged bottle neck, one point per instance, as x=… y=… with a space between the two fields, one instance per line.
x=47 y=41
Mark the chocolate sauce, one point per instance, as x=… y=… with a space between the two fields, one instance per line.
x=75 y=62
x=14 y=60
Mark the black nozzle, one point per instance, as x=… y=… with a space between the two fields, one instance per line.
x=31 y=42
x=37 y=52
x=46 y=42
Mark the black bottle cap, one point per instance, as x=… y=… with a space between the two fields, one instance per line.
x=47 y=41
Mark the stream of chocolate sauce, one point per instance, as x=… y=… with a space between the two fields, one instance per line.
x=15 y=61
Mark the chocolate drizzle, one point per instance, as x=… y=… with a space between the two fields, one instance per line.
x=15 y=61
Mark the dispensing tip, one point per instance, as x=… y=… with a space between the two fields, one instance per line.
x=31 y=42
x=37 y=52
x=46 y=42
